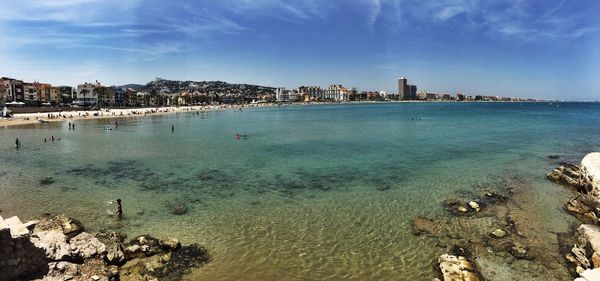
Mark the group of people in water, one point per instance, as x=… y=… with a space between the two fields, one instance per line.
x=51 y=139
x=239 y=136
x=71 y=126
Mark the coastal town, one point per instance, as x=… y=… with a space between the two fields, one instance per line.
x=162 y=92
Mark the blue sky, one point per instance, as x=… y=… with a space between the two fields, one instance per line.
x=541 y=49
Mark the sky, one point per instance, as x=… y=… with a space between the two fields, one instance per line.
x=535 y=48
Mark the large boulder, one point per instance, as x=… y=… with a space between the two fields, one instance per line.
x=86 y=245
x=584 y=207
x=54 y=243
x=590 y=235
x=114 y=248
x=457 y=268
x=591 y=164
x=62 y=223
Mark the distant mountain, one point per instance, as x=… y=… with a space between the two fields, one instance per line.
x=132 y=86
x=218 y=88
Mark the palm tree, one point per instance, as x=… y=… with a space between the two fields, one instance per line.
x=84 y=92
x=2 y=93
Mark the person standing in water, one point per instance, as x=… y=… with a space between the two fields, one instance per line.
x=119 y=209
x=172 y=128
x=17 y=143
x=116 y=125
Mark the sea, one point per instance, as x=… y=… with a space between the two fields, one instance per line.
x=306 y=192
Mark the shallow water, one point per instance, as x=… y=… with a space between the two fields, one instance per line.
x=314 y=192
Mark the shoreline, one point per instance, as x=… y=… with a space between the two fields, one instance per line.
x=60 y=116
x=65 y=116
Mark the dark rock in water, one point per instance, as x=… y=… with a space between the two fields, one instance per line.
x=169 y=243
x=179 y=209
x=182 y=261
x=553 y=156
x=142 y=246
x=422 y=225
x=165 y=266
x=47 y=181
x=383 y=187
x=519 y=251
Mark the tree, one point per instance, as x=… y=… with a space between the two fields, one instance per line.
x=84 y=92
x=2 y=93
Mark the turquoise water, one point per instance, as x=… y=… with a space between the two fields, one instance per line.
x=314 y=192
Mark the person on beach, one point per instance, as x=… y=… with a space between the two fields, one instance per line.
x=119 y=209
x=17 y=143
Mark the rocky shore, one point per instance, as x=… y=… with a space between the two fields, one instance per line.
x=58 y=248
x=489 y=236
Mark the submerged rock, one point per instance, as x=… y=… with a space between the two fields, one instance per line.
x=519 y=251
x=422 y=225
x=169 y=243
x=47 y=181
x=498 y=233
x=475 y=206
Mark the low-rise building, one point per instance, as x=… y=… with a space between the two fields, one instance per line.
x=85 y=94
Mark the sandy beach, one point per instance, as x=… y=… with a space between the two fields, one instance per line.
x=34 y=118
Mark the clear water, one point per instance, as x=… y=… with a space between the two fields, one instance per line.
x=315 y=192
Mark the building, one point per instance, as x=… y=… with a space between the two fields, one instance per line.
x=66 y=94
x=30 y=93
x=413 y=92
x=310 y=93
x=54 y=95
x=85 y=94
x=282 y=95
x=336 y=92
x=402 y=88
x=13 y=89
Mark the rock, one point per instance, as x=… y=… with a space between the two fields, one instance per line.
x=462 y=209
x=114 y=248
x=584 y=207
x=54 y=244
x=475 y=206
x=47 y=181
x=142 y=246
x=498 y=233
x=519 y=251
x=86 y=245
x=580 y=256
x=169 y=243
x=61 y=271
x=590 y=234
x=591 y=274
x=577 y=177
x=456 y=268
x=595 y=260
x=591 y=164
x=66 y=225
x=422 y=225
